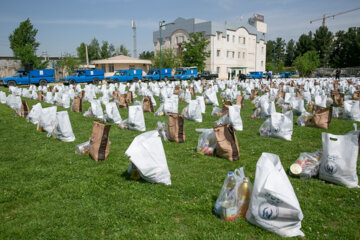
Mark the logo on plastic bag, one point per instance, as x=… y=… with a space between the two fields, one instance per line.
x=331 y=167
x=268 y=211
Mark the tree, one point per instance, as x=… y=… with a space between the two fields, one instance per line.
x=195 y=53
x=107 y=50
x=168 y=59
x=304 y=44
x=69 y=63
x=270 y=55
x=346 y=49
x=290 y=53
x=24 y=45
x=81 y=52
x=279 y=53
x=94 y=51
x=122 y=51
x=322 y=42
x=307 y=63
x=146 y=55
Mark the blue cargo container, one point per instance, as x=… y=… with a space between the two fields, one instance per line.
x=126 y=76
x=190 y=73
x=85 y=76
x=154 y=74
x=22 y=77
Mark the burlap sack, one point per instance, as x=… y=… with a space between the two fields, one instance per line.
x=116 y=95
x=40 y=96
x=240 y=100
x=272 y=85
x=280 y=94
x=177 y=90
x=147 y=104
x=338 y=99
x=227 y=145
x=225 y=108
x=298 y=94
x=129 y=97
x=24 y=108
x=99 y=141
x=49 y=89
x=254 y=93
x=77 y=104
x=356 y=95
x=82 y=94
x=122 y=101
x=176 y=128
x=321 y=117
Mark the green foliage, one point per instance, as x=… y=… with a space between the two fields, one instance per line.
x=68 y=63
x=146 y=55
x=290 y=53
x=307 y=63
x=346 y=49
x=24 y=45
x=122 y=50
x=95 y=51
x=49 y=192
x=304 y=44
x=195 y=53
x=107 y=50
x=322 y=42
x=168 y=59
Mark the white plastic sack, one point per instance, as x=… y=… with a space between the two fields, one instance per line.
x=49 y=98
x=279 y=125
x=65 y=100
x=63 y=129
x=47 y=120
x=338 y=162
x=34 y=114
x=235 y=118
x=320 y=101
x=352 y=110
x=112 y=114
x=14 y=102
x=170 y=106
x=193 y=111
x=273 y=203
x=201 y=100
x=136 y=119
x=2 y=97
x=147 y=153
x=96 y=109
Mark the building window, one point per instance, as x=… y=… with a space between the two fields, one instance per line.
x=262 y=63
x=227 y=37
x=218 y=36
x=227 y=54
x=238 y=54
x=103 y=66
x=217 y=70
x=244 y=42
x=243 y=55
x=233 y=38
x=177 y=40
x=239 y=40
x=182 y=39
x=131 y=66
x=233 y=54
x=111 y=67
x=262 y=49
x=218 y=53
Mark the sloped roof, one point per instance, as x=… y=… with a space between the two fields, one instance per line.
x=121 y=59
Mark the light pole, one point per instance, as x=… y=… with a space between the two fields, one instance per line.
x=162 y=24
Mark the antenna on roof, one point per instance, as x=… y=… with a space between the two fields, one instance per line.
x=134 y=37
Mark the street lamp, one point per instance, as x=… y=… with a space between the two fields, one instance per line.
x=162 y=24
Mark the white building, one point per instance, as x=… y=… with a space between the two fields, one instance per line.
x=237 y=47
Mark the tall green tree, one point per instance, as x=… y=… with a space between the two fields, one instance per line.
x=68 y=63
x=107 y=50
x=307 y=63
x=290 y=53
x=24 y=45
x=195 y=52
x=270 y=55
x=94 y=50
x=304 y=44
x=346 y=49
x=168 y=59
x=322 y=43
x=279 y=54
x=146 y=55
x=81 y=51
x=122 y=50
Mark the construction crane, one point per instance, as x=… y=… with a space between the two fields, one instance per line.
x=333 y=15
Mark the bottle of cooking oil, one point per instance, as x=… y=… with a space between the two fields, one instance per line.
x=243 y=197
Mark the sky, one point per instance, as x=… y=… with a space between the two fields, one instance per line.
x=63 y=25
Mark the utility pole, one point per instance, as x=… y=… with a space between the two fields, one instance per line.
x=133 y=25
x=161 y=24
x=87 y=57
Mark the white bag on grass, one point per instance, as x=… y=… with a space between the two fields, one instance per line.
x=201 y=100
x=338 y=162
x=320 y=100
x=170 y=106
x=47 y=120
x=352 y=110
x=63 y=130
x=65 y=100
x=235 y=118
x=96 y=109
x=2 y=97
x=193 y=111
x=278 y=125
x=112 y=114
x=13 y=101
x=136 y=119
x=273 y=203
x=34 y=114
x=147 y=153
x=49 y=98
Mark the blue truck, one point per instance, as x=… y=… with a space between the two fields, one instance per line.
x=188 y=73
x=84 y=76
x=255 y=75
x=131 y=75
x=23 y=77
x=154 y=74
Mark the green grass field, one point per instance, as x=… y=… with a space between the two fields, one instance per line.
x=48 y=191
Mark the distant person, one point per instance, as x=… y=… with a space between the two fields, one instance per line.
x=337 y=74
x=269 y=76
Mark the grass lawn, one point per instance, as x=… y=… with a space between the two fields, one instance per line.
x=48 y=191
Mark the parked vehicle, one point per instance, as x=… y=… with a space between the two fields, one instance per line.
x=255 y=75
x=285 y=74
x=189 y=73
x=22 y=77
x=207 y=75
x=85 y=76
x=126 y=76
x=154 y=74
